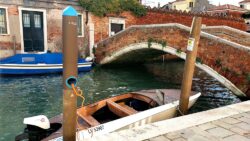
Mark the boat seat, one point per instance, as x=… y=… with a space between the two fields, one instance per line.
x=120 y=110
x=128 y=107
x=89 y=119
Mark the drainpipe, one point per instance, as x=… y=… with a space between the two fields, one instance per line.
x=91 y=39
x=70 y=72
x=87 y=17
x=14 y=44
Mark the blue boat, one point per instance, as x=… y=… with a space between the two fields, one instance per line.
x=28 y=64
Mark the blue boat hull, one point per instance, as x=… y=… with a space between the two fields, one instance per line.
x=29 y=64
x=9 y=70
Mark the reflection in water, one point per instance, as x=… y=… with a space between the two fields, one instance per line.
x=213 y=93
x=22 y=97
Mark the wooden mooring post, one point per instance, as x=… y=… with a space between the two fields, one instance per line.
x=70 y=72
x=192 y=48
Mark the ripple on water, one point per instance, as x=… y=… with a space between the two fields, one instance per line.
x=22 y=97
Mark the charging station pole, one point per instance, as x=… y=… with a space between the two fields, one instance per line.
x=70 y=72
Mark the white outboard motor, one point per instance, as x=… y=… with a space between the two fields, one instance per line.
x=89 y=59
x=38 y=128
x=39 y=121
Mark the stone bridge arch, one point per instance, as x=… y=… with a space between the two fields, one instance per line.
x=224 y=60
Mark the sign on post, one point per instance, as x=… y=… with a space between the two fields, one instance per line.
x=191 y=42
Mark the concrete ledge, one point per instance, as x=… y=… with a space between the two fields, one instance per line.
x=175 y=124
x=224 y=81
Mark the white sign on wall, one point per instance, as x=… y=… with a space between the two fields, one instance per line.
x=191 y=42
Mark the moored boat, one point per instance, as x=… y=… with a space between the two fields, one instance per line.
x=121 y=112
x=29 y=64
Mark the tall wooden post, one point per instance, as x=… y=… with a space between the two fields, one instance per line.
x=70 y=72
x=192 y=48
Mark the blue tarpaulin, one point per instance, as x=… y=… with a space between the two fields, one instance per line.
x=47 y=58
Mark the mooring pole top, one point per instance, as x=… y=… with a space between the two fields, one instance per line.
x=69 y=11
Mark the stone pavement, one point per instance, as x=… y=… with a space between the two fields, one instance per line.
x=233 y=128
x=229 y=123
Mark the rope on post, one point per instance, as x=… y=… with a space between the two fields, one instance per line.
x=78 y=92
x=179 y=111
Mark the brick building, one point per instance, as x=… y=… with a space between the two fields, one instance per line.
x=35 y=26
x=227 y=10
x=189 y=5
x=245 y=4
x=28 y=26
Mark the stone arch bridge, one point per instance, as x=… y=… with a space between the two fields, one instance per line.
x=223 y=52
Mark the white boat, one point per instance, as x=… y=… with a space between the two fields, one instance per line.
x=123 y=112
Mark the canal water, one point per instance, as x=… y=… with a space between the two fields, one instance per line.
x=26 y=96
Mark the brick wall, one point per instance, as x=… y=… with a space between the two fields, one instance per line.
x=54 y=29
x=155 y=17
x=7 y=41
x=162 y=17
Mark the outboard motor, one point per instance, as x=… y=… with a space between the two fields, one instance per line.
x=89 y=59
x=38 y=128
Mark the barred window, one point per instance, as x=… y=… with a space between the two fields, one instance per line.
x=37 y=20
x=3 y=22
x=191 y=4
x=79 y=25
x=26 y=20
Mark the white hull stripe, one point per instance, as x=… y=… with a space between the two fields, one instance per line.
x=40 y=66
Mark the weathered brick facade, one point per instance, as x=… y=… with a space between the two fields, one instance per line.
x=53 y=20
x=101 y=25
x=163 y=17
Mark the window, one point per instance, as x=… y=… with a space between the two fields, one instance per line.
x=3 y=21
x=37 y=20
x=191 y=4
x=79 y=25
x=116 y=25
x=241 y=6
x=115 y=28
x=26 y=20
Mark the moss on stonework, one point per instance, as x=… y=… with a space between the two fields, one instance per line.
x=93 y=49
x=199 y=60
x=225 y=69
x=162 y=42
x=218 y=62
x=248 y=78
x=178 y=51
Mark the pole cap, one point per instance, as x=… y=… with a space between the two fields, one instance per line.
x=69 y=11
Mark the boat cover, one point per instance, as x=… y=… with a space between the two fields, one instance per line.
x=40 y=121
x=47 y=58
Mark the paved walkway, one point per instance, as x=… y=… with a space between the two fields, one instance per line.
x=230 y=123
x=233 y=128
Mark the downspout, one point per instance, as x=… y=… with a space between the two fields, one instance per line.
x=14 y=44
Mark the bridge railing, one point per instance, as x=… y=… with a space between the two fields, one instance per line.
x=229 y=33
